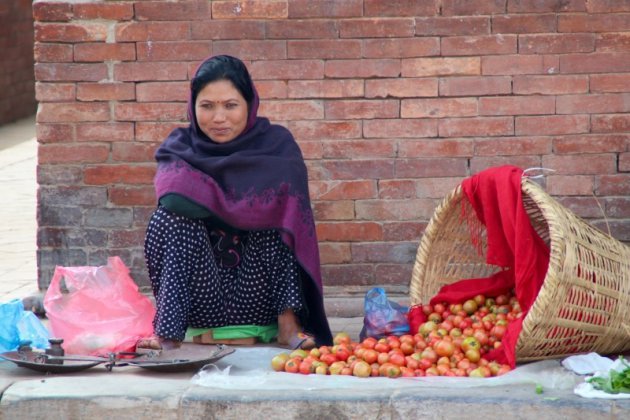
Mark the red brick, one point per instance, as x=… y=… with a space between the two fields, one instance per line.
x=292 y=110
x=105 y=91
x=180 y=10
x=361 y=109
x=552 y=125
x=475 y=86
x=109 y=131
x=617 y=184
x=517 y=105
x=616 y=42
x=550 y=85
x=584 y=207
x=252 y=50
x=443 y=66
x=325 y=88
x=349 y=275
x=593 y=104
x=624 y=162
x=55 y=92
x=150 y=71
x=173 y=51
x=51 y=11
x=228 y=29
x=578 y=164
x=73 y=153
x=334 y=253
x=72 y=112
x=523 y=24
x=435 y=148
x=472 y=7
x=544 y=6
x=272 y=89
x=377 y=28
x=430 y=168
x=61 y=72
x=480 y=126
x=54 y=133
x=403 y=231
x=325 y=9
x=362 y=68
x=162 y=91
x=401 y=8
x=438 y=108
x=609 y=82
x=333 y=210
x=358 y=149
x=589 y=23
x=607 y=6
x=394 y=128
x=311 y=149
x=287 y=69
x=396 y=188
x=401 y=47
x=132 y=196
x=556 y=43
x=383 y=252
x=267 y=9
x=156 y=131
x=512 y=65
x=324 y=48
x=479 y=45
x=119 y=174
x=150 y=111
x=401 y=87
x=582 y=144
x=134 y=152
x=509 y=146
x=309 y=130
x=449 y=26
x=570 y=184
x=128 y=237
x=617 y=207
x=610 y=123
x=356 y=169
x=595 y=63
x=343 y=190
x=349 y=231
x=55 y=53
x=93 y=52
x=110 y=11
x=299 y=29
x=480 y=163
x=70 y=32
x=152 y=31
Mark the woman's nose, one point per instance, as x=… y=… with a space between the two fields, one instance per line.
x=219 y=115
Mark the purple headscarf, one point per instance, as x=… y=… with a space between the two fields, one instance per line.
x=257 y=181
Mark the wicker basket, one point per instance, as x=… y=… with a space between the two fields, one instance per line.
x=584 y=302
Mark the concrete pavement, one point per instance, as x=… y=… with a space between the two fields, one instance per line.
x=251 y=390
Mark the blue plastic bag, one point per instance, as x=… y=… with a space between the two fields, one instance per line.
x=18 y=325
x=382 y=316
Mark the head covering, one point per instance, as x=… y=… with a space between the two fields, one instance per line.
x=257 y=181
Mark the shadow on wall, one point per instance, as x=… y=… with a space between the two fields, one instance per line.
x=17 y=80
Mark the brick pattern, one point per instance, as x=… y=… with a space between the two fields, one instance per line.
x=393 y=104
x=17 y=82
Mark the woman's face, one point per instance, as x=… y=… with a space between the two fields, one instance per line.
x=221 y=111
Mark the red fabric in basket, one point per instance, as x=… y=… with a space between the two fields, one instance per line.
x=496 y=197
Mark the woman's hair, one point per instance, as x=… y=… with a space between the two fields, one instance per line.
x=223 y=67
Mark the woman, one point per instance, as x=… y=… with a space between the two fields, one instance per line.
x=233 y=240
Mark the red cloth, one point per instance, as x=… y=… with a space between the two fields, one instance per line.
x=496 y=197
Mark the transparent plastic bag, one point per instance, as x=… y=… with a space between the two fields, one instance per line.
x=382 y=316
x=97 y=310
x=18 y=325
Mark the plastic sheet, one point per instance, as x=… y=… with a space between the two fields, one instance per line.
x=383 y=317
x=18 y=325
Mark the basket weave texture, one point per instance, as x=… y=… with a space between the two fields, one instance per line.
x=584 y=302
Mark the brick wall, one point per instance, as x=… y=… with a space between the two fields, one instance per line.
x=392 y=102
x=17 y=84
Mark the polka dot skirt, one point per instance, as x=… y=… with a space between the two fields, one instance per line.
x=193 y=288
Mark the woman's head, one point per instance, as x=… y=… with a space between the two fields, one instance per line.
x=224 y=100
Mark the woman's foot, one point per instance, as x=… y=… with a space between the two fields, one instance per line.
x=157 y=343
x=290 y=332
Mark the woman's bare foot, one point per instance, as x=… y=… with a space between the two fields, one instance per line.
x=157 y=343
x=290 y=332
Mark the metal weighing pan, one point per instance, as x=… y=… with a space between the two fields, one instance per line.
x=187 y=357
x=34 y=361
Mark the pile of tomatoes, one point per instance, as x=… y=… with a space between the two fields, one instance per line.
x=451 y=342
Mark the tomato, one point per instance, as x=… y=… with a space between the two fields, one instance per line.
x=470 y=343
x=473 y=355
x=369 y=342
x=444 y=348
x=435 y=317
x=397 y=359
x=362 y=369
x=342 y=338
x=370 y=355
x=298 y=353
x=427 y=309
x=407 y=348
x=470 y=306
x=305 y=367
x=439 y=308
x=426 y=327
x=382 y=346
x=336 y=367
x=321 y=370
x=278 y=362
x=292 y=365
x=382 y=358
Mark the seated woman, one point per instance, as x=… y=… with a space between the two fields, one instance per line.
x=233 y=240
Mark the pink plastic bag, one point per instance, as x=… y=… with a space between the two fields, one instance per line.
x=97 y=310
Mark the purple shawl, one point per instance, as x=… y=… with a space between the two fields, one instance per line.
x=258 y=181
